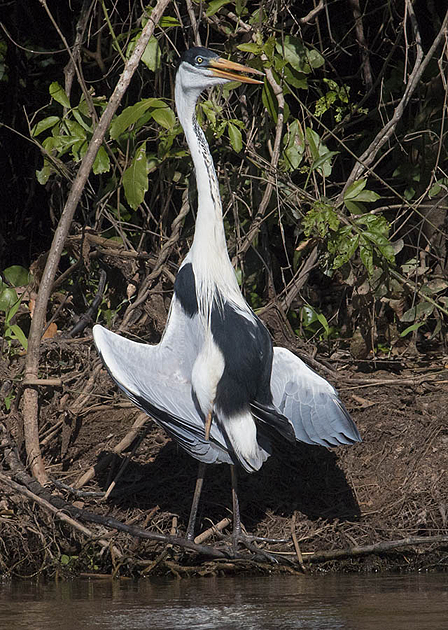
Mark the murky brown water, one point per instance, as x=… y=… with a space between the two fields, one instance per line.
x=411 y=602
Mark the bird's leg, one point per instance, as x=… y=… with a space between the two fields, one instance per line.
x=236 y=508
x=199 y=483
x=195 y=502
x=238 y=536
x=208 y=426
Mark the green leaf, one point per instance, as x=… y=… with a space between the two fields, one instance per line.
x=168 y=22
x=102 y=162
x=8 y=297
x=57 y=92
x=382 y=243
x=354 y=208
x=293 y=51
x=17 y=276
x=323 y=321
x=44 y=174
x=314 y=57
x=131 y=114
x=214 y=6
x=346 y=248
x=256 y=49
x=135 y=178
x=294 y=78
x=421 y=310
x=354 y=189
x=78 y=116
x=298 y=56
x=366 y=255
x=18 y=334
x=409 y=329
x=323 y=164
x=308 y=315
x=235 y=137
x=367 y=196
x=320 y=153
x=13 y=310
x=269 y=101
x=43 y=125
x=152 y=55
x=294 y=146
x=164 y=116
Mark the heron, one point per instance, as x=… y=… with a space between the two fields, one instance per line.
x=215 y=382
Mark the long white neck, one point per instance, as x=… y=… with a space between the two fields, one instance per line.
x=209 y=224
x=208 y=253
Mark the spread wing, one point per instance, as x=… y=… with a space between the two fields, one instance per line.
x=310 y=403
x=157 y=379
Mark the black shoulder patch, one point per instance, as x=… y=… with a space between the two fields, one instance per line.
x=247 y=350
x=185 y=290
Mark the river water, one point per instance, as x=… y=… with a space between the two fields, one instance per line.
x=334 y=602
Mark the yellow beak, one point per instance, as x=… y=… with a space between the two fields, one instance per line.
x=228 y=70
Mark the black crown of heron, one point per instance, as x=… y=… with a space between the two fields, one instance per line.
x=215 y=382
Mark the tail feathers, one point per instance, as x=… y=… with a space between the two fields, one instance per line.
x=273 y=421
x=241 y=433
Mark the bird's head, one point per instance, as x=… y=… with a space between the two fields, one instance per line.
x=200 y=68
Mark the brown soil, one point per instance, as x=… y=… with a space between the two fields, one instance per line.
x=392 y=486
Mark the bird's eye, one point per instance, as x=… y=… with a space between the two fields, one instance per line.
x=199 y=60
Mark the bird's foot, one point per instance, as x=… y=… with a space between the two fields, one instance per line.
x=240 y=538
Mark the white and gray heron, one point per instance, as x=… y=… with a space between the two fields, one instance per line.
x=214 y=382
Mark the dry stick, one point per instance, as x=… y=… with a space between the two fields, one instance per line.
x=194 y=23
x=141 y=421
x=359 y=29
x=70 y=68
x=74 y=56
x=313 y=13
x=385 y=134
x=30 y=398
x=387 y=545
x=106 y=521
x=208 y=533
x=296 y=543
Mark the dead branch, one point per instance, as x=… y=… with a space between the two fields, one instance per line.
x=306 y=19
x=381 y=547
x=359 y=28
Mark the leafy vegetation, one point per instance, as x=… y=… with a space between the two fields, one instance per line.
x=14 y=278
x=287 y=157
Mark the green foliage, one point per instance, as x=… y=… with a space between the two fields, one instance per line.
x=321 y=218
x=71 y=133
x=310 y=322
x=135 y=178
x=330 y=116
x=13 y=278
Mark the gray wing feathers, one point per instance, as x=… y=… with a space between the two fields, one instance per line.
x=310 y=403
x=157 y=379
